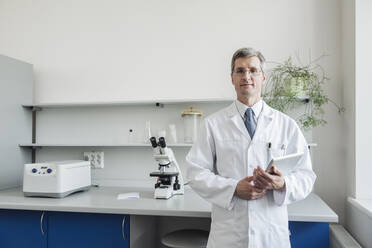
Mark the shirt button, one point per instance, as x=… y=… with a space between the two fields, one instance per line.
x=252 y=232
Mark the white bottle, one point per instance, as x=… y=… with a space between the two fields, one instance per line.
x=173 y=133
x=147 y=134
x=191 y=119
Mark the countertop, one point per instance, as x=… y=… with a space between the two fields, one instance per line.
x=104 y=200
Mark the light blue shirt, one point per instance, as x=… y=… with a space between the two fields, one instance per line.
x=257 y=109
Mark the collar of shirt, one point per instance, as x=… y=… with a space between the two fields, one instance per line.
x=257 y=109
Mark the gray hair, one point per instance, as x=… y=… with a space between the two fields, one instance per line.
x=247 y=52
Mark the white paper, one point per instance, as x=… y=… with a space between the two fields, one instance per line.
x=128 y=196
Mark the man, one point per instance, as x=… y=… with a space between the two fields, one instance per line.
x=228 y=161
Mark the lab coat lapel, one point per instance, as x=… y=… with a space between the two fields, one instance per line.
x=237 y=120
x=264 y=120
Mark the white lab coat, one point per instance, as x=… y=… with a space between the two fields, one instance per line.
x=224 y=153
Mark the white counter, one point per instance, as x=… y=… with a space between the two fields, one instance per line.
x=104 y=200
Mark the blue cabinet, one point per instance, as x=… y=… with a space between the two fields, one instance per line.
x=23 y=229
x=28 y=229
x=309 y=234
x=76 y=230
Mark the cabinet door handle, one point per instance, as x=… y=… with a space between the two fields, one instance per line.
x=41 y=223
x=122 y=228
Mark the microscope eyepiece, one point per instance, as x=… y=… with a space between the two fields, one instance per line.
x=162 y=142
x=153 y=142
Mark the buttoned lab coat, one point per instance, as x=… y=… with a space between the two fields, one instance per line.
x=224 y=154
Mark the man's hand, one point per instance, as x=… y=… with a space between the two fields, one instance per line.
x=247 y=191
x=266 y=181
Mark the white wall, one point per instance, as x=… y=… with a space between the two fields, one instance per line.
x=91 y=51
x=356 y=23
x=363 y=89
x=328 y=155
x=348 y=82
x=123 y=50
x=349 y=86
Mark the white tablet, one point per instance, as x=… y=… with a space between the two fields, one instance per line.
x=286 y=163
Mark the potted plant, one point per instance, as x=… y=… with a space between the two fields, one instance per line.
x=290 y=85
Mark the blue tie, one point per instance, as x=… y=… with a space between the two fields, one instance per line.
x=249 y=122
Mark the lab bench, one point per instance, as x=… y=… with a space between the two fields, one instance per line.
x=96 y=218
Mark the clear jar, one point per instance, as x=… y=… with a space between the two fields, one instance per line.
x=191 y=121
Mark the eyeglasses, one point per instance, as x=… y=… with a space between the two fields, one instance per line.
x=254 y=72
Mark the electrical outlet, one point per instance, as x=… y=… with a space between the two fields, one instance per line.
x=96 y=159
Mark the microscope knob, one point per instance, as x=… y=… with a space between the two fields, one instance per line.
x=176 y=186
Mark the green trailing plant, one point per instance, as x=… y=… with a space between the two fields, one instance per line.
x=290 y=85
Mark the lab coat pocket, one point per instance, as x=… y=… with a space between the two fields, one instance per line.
x=277 y=149
x=265 y=151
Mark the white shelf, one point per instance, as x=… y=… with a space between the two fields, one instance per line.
x=157 y=102
x=30 y=145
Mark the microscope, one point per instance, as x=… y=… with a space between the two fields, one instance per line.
x=169 y=178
